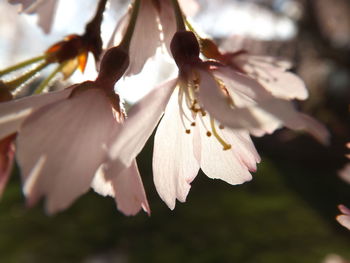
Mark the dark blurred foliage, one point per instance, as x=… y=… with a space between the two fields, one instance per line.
x=286 y=214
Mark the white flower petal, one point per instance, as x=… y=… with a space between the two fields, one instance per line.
x=344 y=220
x=44 y=8
x=189 y=7
x=61 y=146
x=46 y=13
x=128 y=188
x=174 y=163
x=24 y=3
x=344 y=173
x=272 y=75
x=215 y=101
x=101 y=185
x=255 y=109
x=218 y=163
x=243 y=147
x=12 y=113
x=306 y=123
x=168 y=22
x=143 y=118
x=145 y=39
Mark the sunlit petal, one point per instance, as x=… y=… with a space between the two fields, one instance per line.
x=174 y=163
x=61 y=146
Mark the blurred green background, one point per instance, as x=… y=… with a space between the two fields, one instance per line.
x=285 y=214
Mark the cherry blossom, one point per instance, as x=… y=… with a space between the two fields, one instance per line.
x=209 y=111
x=62 y=139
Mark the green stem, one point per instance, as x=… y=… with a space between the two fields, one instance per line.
x=47 y=81
x=21 y=65
x=13 y=84
x=125 y=43
x=191 y=28
x=179 y=16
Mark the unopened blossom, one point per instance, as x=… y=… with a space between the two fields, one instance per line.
x=61 y=144
x=45 y=9
x=344 y=217
x=209 y=111
x=155 y=25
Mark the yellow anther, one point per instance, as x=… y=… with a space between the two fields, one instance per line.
x=227 y=147
x=218 y=137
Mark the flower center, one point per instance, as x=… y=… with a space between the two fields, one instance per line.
x=189 y=102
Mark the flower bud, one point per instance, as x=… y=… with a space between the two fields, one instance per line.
x=184 y=47
x=113 y=65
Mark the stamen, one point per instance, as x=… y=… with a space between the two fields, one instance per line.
x=13 y=84
x=21 y=65
x=47 y=81
x=208 y=133
x=217 y=136
x=182 y=112
x=221 y=127
x=193 y=124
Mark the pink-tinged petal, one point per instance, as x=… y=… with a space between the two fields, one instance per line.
x=174 y=163
x=146 y=38
x=119 y=30
x=344 y=210
x=45 y=10
x=254 y=109
x=129 y=192
x=243 y=147
x=12 y=113
x=101 y=185
x=344 y=218
x=275 y=113
x=218 y=163
x=246 y=59
x=46 y=13
x=7 y=153
x=306 y=123
x=61 y=145
x=215 y=101
x=168 y=22
x=189 y=7
x=285 y=85
x=129 y=140
x=124 y=184
x=24 y=3
x=271 y=74
x=244 y=90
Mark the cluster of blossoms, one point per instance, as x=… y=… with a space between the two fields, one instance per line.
x=71 y=140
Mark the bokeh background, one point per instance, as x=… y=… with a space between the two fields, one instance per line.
x=285 y=214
